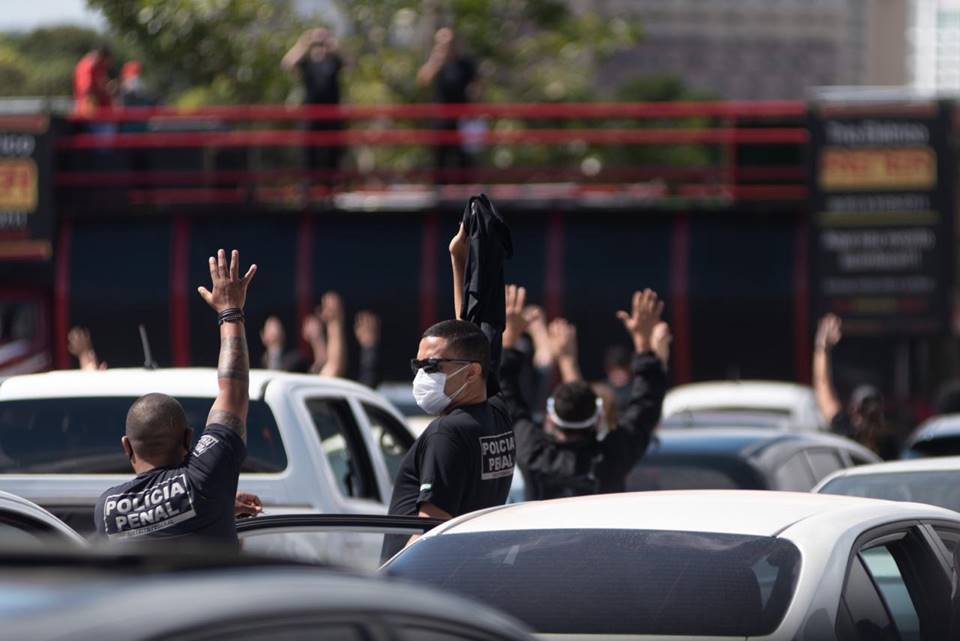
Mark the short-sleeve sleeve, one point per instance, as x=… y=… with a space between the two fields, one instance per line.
x=443 y=473
x=214 y=463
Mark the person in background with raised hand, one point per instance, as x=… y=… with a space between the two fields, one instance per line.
x=568 y=455
x=366 y=329
x=863 y=419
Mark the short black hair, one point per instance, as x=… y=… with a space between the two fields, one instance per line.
x=464 y=339
x=948 y=398
x=104 y=50
x=575 y=402
x=155 y=425
x=617 y=357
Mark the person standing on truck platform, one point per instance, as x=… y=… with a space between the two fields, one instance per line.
x=178 y=493
x=464 y=460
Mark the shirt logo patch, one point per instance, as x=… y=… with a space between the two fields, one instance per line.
x=496 y=456
x=426 y=487
x=155 y=508
x=205 y=443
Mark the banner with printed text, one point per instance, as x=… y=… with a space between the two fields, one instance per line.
x=26 y=207
x=882 y=206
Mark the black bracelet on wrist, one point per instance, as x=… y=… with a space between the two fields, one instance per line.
x=230 y=315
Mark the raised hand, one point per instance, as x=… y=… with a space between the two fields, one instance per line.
x=516 y=322
x=829 y=332
x=366 y=327
x=660 y=340
x=80 y=345
x=643 y=317
x=563 y=339
x=229 y=289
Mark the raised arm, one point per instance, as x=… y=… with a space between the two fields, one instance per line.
x=299 y=50
x=563 y=342
x=233 y=370
x=517 y=321
x=80 y=345
x=829 y=333
x=459 y=251
x=649 y=377
x=331 y=313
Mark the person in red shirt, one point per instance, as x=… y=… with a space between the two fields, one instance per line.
x=91 y=82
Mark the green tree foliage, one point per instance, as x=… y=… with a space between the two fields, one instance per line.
x=41 y=62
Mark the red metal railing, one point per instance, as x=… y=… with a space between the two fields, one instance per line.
x=774 y=129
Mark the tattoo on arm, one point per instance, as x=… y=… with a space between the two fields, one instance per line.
x=228 y=419
x=234 y=362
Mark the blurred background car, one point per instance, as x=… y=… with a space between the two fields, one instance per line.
x=770 y=565
x=162 y=596
x=935 y=481
x=752 y=458
x=937 y=436
x=793 y=406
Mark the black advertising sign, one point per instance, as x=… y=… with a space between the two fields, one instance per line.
x=882 y=207
x=26 y=207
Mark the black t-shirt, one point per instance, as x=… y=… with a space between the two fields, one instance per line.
x=194 y=499
x=321 y=79
x=452 y=79
x=462 y=462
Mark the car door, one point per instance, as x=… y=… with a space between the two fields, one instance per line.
x=387 y=437
x=352 y=540
x=897 y=587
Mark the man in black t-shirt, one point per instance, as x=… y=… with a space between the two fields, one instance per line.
x=464 y=460
x=178 y=493
x=319 y=65
x=452 y=76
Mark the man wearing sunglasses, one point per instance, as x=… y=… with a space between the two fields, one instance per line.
x=464 y=460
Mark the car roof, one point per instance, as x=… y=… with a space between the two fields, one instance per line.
x=769 y=395
x=737 y=441
x=944 y=426
x=13 y=503
x=933 y=464
x=711 y=418
x=76 y=604
x=747 y=512
x=184 y=382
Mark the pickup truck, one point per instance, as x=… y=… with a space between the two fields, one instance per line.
x=315 y=444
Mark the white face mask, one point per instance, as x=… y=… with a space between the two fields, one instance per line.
x=428 y=391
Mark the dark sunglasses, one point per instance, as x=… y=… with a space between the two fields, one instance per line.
x=431 y=365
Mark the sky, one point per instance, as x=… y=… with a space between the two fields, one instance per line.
x=16 y=15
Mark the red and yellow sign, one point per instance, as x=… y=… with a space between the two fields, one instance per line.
x=877 y=169
x=18 y=185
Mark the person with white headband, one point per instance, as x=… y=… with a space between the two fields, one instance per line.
x=571 y=454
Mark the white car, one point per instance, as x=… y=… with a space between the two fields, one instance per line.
x=788 y=405
x=314 y=444
x=25 y=523
x=935 y=481
x=703 y=565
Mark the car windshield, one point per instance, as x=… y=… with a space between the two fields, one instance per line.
x=82 y=435
x=940 y=488
x=614 y=581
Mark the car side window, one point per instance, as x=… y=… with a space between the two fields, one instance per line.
x=390 y=435
x=426 y=632
x=862 y=615
x=794 y=474
x=343 y=446
x=949 y=536
x=282 y=631
x=893 y=588
x=823 y=462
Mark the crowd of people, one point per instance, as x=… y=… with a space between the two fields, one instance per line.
x=491 y=390
x=316 y=60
